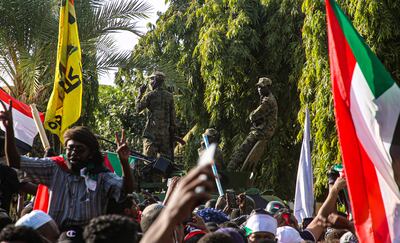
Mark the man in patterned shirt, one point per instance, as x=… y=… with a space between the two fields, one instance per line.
x=79 y=184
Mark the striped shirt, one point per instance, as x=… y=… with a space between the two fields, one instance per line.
x=71 y=202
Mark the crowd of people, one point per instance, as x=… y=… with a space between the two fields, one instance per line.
x=88 y=203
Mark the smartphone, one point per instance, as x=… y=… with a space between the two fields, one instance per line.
x=169 y=182
x=231 y=198
x=208 y=156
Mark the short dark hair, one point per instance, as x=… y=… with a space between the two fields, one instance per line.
x=114 y=207
x=216 y=237
x=111 y=228
x=19 y=233
x=4 y=219
x=210 y=203
x=229 y=224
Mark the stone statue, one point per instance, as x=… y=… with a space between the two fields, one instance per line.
x=213 y=137
x=159 y=132
x=263 y=124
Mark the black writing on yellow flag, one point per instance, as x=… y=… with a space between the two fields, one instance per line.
x=65 y=103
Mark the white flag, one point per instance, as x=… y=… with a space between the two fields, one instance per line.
x=304 y=198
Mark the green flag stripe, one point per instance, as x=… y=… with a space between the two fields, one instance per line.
x=114 y=161
x=116 y=164
x=378 y=78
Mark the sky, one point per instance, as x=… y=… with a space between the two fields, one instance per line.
x=126 y=40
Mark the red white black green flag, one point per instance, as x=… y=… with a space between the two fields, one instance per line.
x=367 y=110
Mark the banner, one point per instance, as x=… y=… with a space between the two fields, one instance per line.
x=367 y=110
x=304 y=197
x=65 y=103
x=24 y=126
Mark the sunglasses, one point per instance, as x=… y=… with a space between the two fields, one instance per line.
x=76 y=148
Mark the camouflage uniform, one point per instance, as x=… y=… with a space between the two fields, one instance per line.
x=213 y=137
x=160 y=127
x=263 y=124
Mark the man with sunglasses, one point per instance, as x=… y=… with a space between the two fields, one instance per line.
x=79 y=184
x=159 y=133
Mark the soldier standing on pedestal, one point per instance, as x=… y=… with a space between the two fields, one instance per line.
x=158 y=135
x=263 y=123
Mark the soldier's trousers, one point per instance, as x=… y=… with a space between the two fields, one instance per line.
x=240 y=155
x=160 y=146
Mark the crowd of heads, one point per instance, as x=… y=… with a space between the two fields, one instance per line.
x=245 y=217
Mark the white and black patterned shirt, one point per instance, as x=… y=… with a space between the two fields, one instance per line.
x=72 y=202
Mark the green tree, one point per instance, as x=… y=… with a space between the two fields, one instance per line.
x=116 y=110
x=214 y=52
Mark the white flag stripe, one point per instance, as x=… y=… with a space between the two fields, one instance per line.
x=24 y=126
x=364 y=109
x=304 y=197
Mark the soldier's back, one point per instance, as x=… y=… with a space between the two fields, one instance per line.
x=160 y=105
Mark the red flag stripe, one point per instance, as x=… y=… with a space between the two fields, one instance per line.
x=42 y=198
x=341 y=64
x=366 y=200
x=18 y=105
x=107 y=163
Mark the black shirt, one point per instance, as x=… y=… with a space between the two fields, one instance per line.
x=9 y=185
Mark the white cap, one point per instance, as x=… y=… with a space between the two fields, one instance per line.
x=261 y=223
x=287 y=234
x=34 y=219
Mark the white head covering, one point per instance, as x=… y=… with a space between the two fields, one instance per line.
x=287 y=234
x=34 y=219
x=261 y=223
x=348 y=238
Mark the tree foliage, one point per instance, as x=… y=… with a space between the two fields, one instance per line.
x=213 y=52
x=116 y=111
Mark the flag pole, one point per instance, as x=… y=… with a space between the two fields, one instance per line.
x=39 y=126
x=214 y=169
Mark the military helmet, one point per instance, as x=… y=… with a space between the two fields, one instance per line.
x=264 y=82
x=157 y=73
x=211 y=132
x=274 y=206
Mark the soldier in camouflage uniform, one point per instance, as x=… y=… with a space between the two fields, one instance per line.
x=213 y=137
x=159 y=132
x=263 y=123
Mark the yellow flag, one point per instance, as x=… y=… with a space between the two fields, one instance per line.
x=65 y=104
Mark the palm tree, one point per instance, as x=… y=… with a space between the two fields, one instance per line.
x=28 y=33
x=28 y=44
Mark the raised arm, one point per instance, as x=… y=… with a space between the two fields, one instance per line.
x=328 y=207
x=12 y=156
x=123 y=154
x=141 y=104
x=191 y=191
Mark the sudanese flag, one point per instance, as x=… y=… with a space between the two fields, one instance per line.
x=367 y=108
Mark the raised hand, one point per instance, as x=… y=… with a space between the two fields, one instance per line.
x=142 y=89
x=122 y=147
x=6 y=115
x=191 y=191
x=340 y=184
x=198 y=222
x=171 y=188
